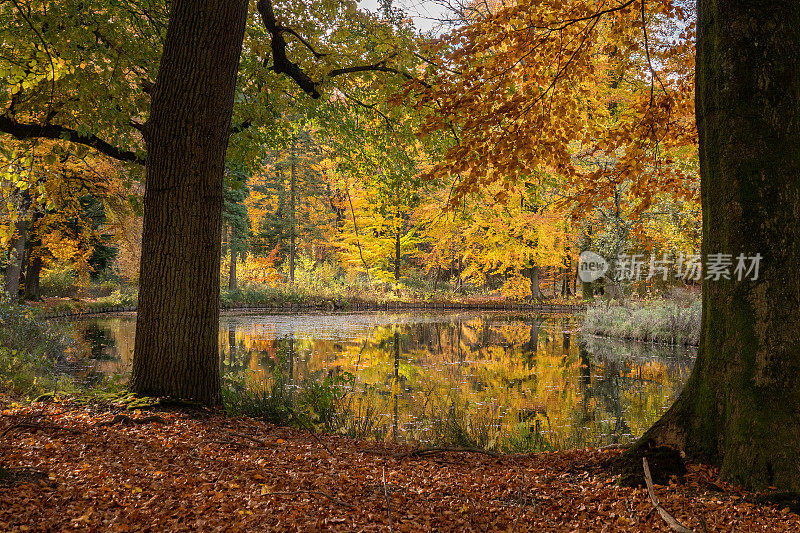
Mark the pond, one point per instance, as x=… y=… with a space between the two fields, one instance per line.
x=498 y=380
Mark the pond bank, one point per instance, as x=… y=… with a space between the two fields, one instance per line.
x=95 y=468
x=508 y=381
x=79 y=309
x=657 y=321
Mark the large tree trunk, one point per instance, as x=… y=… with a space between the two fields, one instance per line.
x=533 y=276
x=14 y=268
x=740 y=407
x=32 y=277
x=177 y=351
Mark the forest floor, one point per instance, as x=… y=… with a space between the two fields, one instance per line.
x=97 y=467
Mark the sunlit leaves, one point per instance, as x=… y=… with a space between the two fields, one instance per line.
x=568 y=88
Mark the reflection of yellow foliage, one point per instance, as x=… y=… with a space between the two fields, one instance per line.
x=486 y=367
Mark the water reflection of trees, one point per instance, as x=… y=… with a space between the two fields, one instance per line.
x=525 y=372
x=503 y=376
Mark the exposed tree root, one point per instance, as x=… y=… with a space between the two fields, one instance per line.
x=668 y=518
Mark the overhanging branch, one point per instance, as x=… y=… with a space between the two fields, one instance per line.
x=281 y=64
x=21 y=131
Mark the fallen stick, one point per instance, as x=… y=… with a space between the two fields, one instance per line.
x=418 y=452
x=129 y=420
x=313 y=433
x=248 y=437
x=33 y=425
x=319 y=440
x=615 y=446
x=671 y=522
x=524 y=503
x=316 y=492
x=388 y=505
x=231 y=443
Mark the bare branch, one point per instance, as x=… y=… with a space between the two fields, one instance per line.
x=668 y=518
x=300 y=38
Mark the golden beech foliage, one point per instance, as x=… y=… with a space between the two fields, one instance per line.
x=498 y=238
x=595 y=93
x=48 y=187
x=256 y=270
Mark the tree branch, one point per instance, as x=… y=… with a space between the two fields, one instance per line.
x=281 y=63
x=300 y=38
x=21 y=131
x=377 y=67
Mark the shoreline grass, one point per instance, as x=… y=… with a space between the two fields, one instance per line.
x=655 y=321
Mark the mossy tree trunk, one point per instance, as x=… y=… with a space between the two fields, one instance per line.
x=33 y=275
x=587 y=291
x=177 y=352
x=740 y=409
x=15 y=259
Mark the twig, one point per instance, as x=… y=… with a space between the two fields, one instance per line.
x=317 y=492
x=33 y=425
x=128 y=420
x=388 y=505
x=671 y=522
x=231 y=443
x=419 y=452
x=524 y=503
x=311 y=430
x=615 y=446
x=321 y=443
x=248 y=437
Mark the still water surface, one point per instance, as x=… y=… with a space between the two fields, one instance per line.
x=508 y=381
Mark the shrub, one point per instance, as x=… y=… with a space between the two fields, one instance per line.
x=59 y=282
x=33 y=352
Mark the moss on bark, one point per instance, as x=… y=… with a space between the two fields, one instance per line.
x=740 y=409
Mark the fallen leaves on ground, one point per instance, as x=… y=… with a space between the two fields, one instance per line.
x=72 y=468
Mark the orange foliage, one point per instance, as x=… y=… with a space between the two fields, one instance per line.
x=598 y=95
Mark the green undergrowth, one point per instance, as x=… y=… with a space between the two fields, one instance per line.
x=123 y=296
x=340 y=405
x=33 y=352
x=327 y=405
x=467 y=426
x=41 y=359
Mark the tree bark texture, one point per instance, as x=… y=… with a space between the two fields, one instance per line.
x=14 y=268
x=740 y=408
x=533 y=276
x=177 y=351
x=32 y=276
